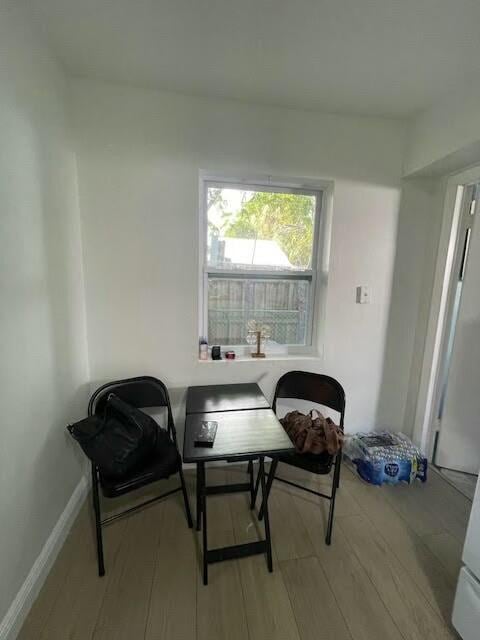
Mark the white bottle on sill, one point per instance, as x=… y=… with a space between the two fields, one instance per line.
x=203 y=351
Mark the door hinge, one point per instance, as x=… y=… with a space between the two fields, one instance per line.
x=435 y=445
x=466 y=247
x=473 y=201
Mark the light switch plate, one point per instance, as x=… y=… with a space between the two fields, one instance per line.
x=363 y=295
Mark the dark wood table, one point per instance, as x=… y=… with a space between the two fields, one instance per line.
x=225 y=397
x=243 y=434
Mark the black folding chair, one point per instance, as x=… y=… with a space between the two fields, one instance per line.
x=141 y=392
x=326 y=391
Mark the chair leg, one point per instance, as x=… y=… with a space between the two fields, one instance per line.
x=98 y=524
x=185 y=498
x=199 y=499
x=271 y=476
x=338 y=461
x=335 y=484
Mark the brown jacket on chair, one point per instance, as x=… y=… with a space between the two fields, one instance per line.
x=312 y=435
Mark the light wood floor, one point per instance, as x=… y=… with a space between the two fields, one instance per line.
x=389 y=575
x=466 y=483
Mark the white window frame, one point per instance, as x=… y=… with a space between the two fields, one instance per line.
x=273 y=186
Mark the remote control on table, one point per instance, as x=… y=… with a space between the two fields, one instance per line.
x=205 y=436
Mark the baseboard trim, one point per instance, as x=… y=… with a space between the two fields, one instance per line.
x=16 y=614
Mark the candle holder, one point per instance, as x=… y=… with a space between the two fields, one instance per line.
x=256 y=336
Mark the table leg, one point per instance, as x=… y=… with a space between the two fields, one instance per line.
x=203 y=500
x=261 y=472
x=252 y=488
x=255 y=491
x=199 y=499
x=270 y=479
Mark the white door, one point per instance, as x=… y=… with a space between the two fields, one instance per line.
x=458 y=443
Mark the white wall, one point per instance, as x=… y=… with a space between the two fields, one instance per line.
x=416 y=251
x=434 y=192
x=446 y=138
x=42 y=329
x=139 y=156
x=442 y=141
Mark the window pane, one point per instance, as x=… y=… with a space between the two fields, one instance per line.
x=259 y=229
x=280 y=304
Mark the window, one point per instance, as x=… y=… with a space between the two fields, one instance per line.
x=259 y=262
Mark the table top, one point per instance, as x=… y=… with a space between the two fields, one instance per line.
x=225 y=397
x=243 y=434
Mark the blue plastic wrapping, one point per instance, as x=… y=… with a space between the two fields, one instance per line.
x=386 y=458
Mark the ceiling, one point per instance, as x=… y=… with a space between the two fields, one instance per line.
x=373 y=57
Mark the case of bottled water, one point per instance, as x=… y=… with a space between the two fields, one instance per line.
x=385 y=457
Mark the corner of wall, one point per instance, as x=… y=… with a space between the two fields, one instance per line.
x=21 y=605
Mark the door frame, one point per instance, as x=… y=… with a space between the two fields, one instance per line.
x=425 y=425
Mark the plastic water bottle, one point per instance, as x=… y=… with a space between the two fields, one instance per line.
x=203 y=349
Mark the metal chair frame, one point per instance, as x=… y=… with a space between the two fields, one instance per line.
x=334 y=398
x=152 y=393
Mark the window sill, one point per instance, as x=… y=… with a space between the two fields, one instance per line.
x=269 y=358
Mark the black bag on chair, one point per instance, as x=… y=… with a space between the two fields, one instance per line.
x=120 y=440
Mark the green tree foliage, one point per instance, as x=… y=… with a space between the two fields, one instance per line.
x=286 y=218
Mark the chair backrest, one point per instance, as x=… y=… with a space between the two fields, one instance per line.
x=140 y=392
x=313 y=387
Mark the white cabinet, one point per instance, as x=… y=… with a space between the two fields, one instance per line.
x=471 y=550
x=466 y=610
